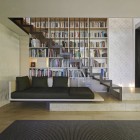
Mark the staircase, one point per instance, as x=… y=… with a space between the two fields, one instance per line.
x=22 y=24
x=29 y=29
x=112 y=89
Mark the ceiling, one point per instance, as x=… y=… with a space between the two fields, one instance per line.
x=66 y=8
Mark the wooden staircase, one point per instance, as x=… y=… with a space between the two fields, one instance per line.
x=22 y=24
x=29 y=29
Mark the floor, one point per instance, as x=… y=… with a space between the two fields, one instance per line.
x=38 y=111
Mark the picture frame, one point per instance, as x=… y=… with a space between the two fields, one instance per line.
x=32 y=64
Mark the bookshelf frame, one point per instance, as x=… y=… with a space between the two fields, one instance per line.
x=82 y=38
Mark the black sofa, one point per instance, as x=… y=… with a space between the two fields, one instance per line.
x=38 y=88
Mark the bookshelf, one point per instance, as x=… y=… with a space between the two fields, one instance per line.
x=68 y=46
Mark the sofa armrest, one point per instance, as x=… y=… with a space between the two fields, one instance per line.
x=12 y=87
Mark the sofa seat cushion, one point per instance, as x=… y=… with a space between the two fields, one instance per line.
x=18 y=95
x=42 y=93
x=54 y=93
x=46 y=90
x=81 y=93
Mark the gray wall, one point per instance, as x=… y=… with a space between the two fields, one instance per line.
x=121 y=51
x=65 y=8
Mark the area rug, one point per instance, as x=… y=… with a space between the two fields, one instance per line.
x=72 y=130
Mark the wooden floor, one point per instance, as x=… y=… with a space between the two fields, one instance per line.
x=38 y=111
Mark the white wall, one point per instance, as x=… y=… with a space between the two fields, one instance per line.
x=121 y=51
x=9 y=60
x=24 y=55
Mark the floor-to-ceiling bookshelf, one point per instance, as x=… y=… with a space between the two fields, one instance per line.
x=69 y=47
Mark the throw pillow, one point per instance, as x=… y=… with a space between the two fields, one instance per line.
x=40 y=81
x=22 y=83
x=60 y=81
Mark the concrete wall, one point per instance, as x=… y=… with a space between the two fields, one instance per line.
x=121 y=51
x=9 y=60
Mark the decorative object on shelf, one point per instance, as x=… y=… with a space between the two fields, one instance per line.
x=33 y=64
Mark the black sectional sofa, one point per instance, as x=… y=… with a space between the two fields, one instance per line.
x=37 y=89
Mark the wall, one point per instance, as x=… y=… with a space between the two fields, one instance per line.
x=24 y=55
x=70 y=8
x=121 y=51
x=9 y=60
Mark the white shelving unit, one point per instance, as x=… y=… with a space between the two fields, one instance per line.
x=84 y=40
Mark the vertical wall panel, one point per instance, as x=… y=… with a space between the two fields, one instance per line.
x=24 y=55
x=121 y=51
x=9 y=61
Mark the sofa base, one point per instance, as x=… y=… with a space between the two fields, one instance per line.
x=97 y=98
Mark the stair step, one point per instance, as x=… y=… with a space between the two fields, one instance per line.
x=130 y=93
x=99 y=106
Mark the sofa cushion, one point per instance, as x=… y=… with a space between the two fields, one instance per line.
x=47 y=90
x=60 y=81
x=81 y=92
x=42 y=93
x=40 y=81
x=22 y=83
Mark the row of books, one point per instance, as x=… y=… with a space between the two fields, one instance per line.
x=53 y=24
x=63 y=72
x=100 y=44
x=54 y=52
x=75 y=73
x=97 y=24
x=98 y=52
x=85 y=62
x=59 y=62
x=80 y=24
x=72 y=34
x=104 y=73
x=46 y=72
x=78 y=34
x=38 y=72
x=77 y=43
x=95 y=63
x=84 y=43
x=59 y=34
x=81 y=53
x=41 y=24
x=75 y=64
x=38 y=52
x=98 y=34
x=73 y=53
x=64 y=23
x=67 y=63
x=58 y=24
